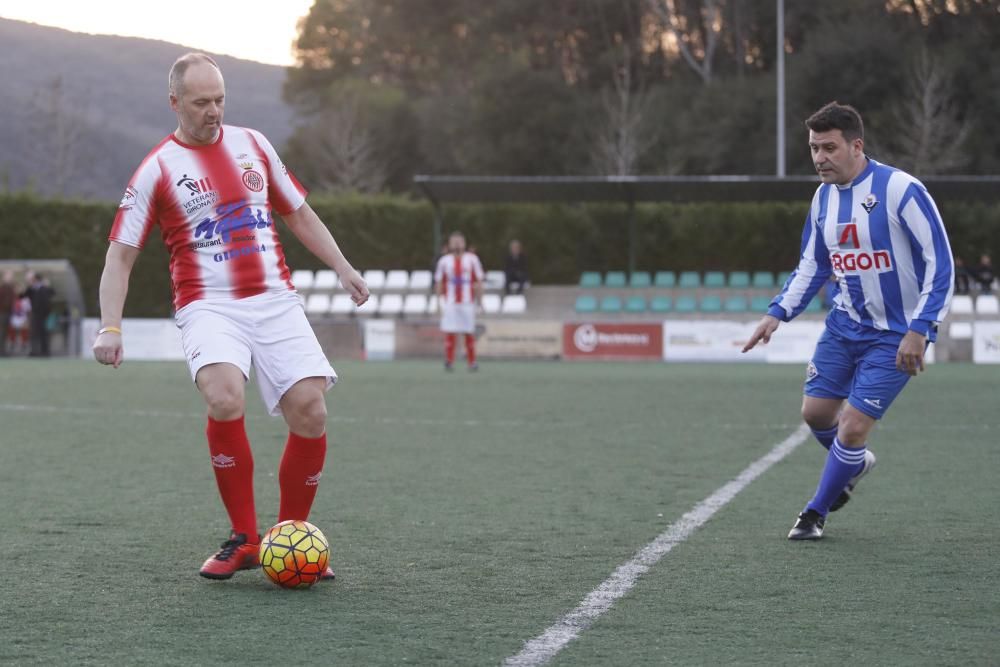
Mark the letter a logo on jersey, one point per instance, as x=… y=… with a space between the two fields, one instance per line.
x=848 y=234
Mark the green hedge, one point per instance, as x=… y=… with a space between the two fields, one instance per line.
x=393 y=232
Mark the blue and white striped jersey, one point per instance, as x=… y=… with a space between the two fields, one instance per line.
x=883 y=238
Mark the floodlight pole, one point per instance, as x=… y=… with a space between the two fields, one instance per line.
x=780 y=149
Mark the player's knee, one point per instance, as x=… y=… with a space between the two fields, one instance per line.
x=308 y=416
x=818 y=417
x=224 y=403
x=854 y=427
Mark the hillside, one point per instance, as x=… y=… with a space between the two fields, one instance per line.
x=80 y=111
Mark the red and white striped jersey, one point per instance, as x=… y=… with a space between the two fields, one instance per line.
x=455 y=276
x=213 y=205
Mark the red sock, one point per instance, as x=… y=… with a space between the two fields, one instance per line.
x=449 y=348
x=298 y=475
x=470 y=349
x=233 y=465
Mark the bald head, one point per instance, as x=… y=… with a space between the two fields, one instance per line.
x=180 y=67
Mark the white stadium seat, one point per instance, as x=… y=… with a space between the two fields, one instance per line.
x=397 y=281
x=390 y=305
x=986 y=304
x=302 y=279
x=375 y=279
x=495 y=280
x=342 y=304
x=415 y=304
x=318 y=304
x=370 y=307
x=325 y=280
x=514 y=304
x=491 y=303
x=960 y=330
x=432 y=304
x=421 y=280
x=961 y=304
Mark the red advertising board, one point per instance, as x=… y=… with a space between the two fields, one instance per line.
x=594 y=340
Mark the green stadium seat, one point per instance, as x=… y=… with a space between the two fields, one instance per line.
x=815 y=306
x=586 y=304
x=611 y=304
x=782 y=277
x=759 y=304
x=739 y=279
x=690 y=279
x=715 y=279
x=640 y=279
x=615 y=279
x=763 y=279
x=590 y=279
x=635 y=304
x=665 y=279
x=735 y=304
x=686 y=304
x=711 y=304
x=661 y=304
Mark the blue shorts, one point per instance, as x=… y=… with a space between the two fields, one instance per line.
x=857 y=363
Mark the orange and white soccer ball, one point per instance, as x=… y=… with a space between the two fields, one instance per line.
x=294 y=554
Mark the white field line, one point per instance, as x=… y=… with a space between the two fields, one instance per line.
x=545 y=646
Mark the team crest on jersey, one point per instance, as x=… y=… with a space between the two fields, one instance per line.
x=128 y=199
x=251 y=178
x=869 y=203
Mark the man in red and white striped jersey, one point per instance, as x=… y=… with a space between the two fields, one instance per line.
x=459 y=279
x=213 y=189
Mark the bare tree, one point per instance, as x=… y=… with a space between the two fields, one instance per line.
x=625 y=132
x=342 y=150
x=929 y=132
x=696 y=33
x=56 y=134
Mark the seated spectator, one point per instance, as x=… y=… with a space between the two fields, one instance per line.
x=962 y=277
x=515 y=269
x=984 y=274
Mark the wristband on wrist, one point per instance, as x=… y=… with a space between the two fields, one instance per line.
x=109 y=330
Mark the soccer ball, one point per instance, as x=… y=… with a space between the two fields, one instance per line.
x=294 y=554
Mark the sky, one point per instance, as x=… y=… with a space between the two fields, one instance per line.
x=261 y=30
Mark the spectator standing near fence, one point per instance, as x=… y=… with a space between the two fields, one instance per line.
x=8 y=297
x=40 y=294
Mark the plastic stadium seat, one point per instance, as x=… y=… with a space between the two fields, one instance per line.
x=491 y=303
x=735 y=304
x=433 y=302
x=514 y=304
x=342 y=304
x=495 y=280
x=370 y=307
x=711 y=304
x=960 y=330
x=686 y=304
x=635 y=304
x=421 y=280
x=585 y=304
x=302 y=279
x=390 y=305
x=325 y=280
x=661 y=304
x=615 y=279
x=987 y=304
x=611 y=304
x=715 y=279
x=415 y=304
x=815 y=306
x=397 y=281
x=375 y=278
x=690 y=279
x=739 y=279
x=640 y=279
x=760 y=304
x=318 y=304
x=665 y=279
x=763 y=279
x=782 y=277
x=961 y=304
x=590 y=279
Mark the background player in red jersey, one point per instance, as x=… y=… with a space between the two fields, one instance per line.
x=212 y=189
x=459 y=280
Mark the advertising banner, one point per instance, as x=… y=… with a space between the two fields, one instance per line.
x=520 y=339
x=600 y=340
x=709 y=340
x=380 y=339
x=986 y=342
x=145 y=339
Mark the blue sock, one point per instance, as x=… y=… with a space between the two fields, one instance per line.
x=841 y=465
x=825 y=437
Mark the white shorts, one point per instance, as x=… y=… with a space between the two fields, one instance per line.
x=268 y=331
x=458 y=318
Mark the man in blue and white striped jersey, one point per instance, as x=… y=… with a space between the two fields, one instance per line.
x=879 y=232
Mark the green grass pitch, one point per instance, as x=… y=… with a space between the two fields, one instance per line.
x=468 y=512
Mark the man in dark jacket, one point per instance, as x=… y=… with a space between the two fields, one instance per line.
x=40 y=295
